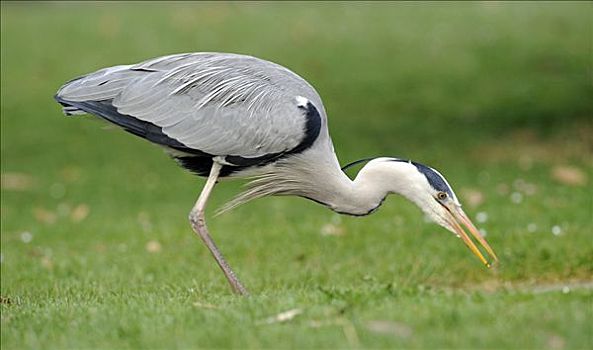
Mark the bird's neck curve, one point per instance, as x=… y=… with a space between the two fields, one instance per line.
x=364 y=194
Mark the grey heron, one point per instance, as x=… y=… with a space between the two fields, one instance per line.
x=229 y=115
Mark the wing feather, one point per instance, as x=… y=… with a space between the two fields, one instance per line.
x=220 y=104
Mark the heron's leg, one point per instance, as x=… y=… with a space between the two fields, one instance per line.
x=198 y=224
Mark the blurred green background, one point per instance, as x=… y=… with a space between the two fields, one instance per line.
x=97 y=251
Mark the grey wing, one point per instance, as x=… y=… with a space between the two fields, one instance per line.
x=219 y=104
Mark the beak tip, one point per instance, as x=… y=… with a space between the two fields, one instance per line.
x=494 y=264
x=457 y=218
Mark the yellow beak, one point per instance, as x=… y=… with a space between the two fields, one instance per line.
x=457 y=218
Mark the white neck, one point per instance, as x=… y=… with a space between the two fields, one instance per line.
x=323 y=181
x=377 y=179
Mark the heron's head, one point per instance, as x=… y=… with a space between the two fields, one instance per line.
x=429 y=190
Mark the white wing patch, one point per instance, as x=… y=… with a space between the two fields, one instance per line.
x=301 y=101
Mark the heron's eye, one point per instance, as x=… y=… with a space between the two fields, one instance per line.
x=441 y=196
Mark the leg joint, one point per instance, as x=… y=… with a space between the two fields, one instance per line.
x=196 y=217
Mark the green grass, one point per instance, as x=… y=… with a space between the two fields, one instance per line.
x=496 y=96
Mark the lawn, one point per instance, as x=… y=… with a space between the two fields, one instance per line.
x=97 y=251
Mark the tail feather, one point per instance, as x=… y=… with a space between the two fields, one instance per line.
x=71 y=110
x=68 y=109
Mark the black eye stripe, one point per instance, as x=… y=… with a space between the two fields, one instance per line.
x=434 y=179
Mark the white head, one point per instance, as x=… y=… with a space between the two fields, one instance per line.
x=426 y=188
